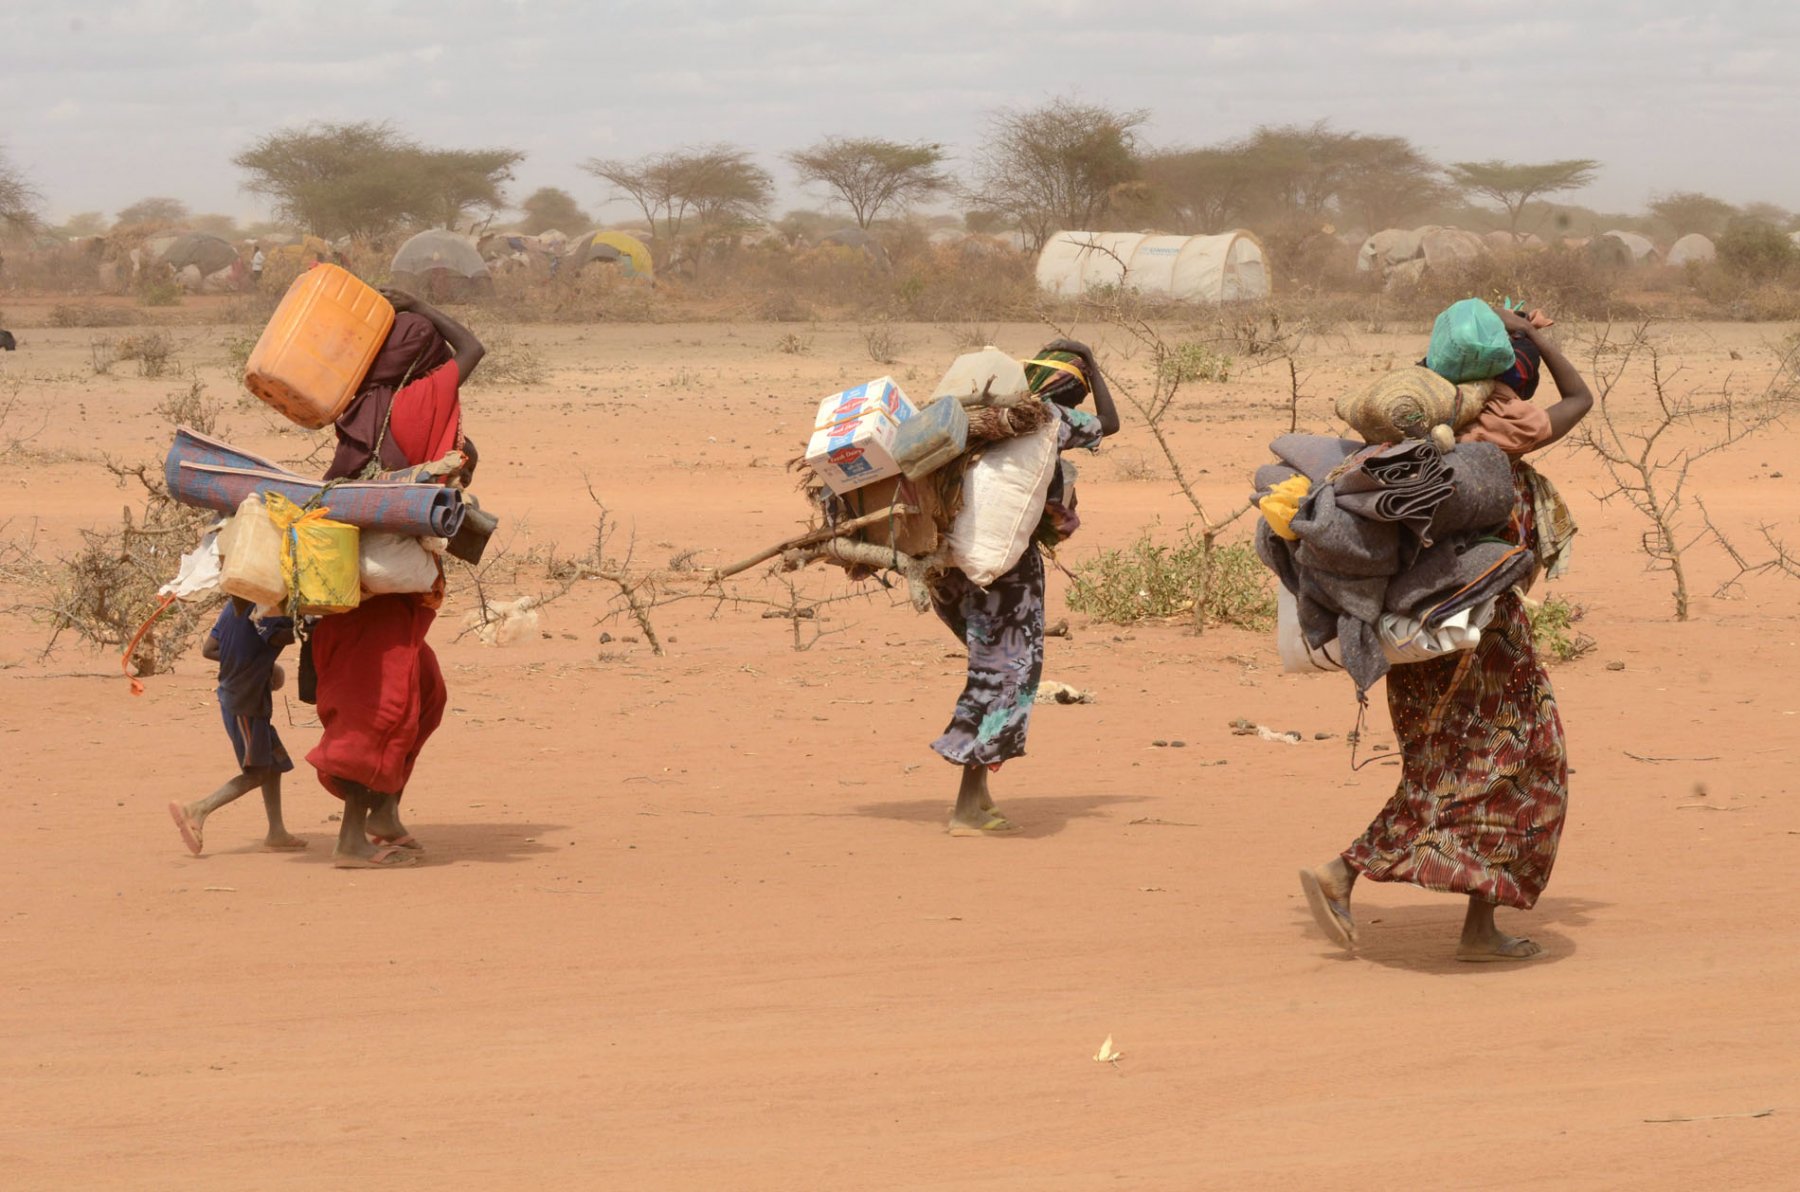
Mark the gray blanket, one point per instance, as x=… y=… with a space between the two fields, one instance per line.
x=1456 y=574
x=1481 y=495
x=1400 y=482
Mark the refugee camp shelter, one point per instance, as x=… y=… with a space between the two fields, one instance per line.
x=612 y=248
x=1691 y=248
x=1228 y=267
x=441 y=265
x=202 y=261
x=1623 y=248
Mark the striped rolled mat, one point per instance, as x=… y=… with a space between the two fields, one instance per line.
x=207 y=473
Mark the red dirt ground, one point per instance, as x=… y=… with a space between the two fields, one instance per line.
x=691 y=922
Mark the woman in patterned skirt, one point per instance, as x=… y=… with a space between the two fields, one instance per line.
x=1484 y=778
x=1003 y=624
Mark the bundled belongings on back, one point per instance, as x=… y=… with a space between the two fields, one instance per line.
x=965 y=481
x=1394 y=548
x=317 y=547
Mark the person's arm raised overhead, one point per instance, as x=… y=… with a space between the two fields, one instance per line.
x=464 y=346
x=1103 y=398
x=1577 y=398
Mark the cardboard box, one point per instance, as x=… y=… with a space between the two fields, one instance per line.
x=853 y=436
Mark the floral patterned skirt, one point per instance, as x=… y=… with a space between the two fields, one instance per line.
x=1003 y=628
x=1484 y=784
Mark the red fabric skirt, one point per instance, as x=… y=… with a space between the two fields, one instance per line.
x=381 y=694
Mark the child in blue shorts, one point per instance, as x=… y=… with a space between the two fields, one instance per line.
x=246 y=647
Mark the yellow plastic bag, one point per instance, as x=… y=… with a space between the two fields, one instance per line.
x=318 y=558
x=251 y=549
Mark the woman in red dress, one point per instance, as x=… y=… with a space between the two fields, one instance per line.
x=380 y=691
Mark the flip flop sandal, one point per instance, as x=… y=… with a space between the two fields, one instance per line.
x=389 y=857
x=191 y=834
x=1332 y=915
x=994 y=825
x=408 y=841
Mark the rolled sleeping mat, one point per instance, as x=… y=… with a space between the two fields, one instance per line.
x=209 y=474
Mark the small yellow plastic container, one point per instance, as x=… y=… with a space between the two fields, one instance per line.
x=318 y=346
x=319 y=558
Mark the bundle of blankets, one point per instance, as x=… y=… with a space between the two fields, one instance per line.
x=1359 y=531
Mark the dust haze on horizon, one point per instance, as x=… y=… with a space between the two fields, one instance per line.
x=110 y=102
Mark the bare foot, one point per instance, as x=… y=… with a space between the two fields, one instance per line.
x=984 y=823
x=191 y=826
x=1496 y=946
x=282 y=842
x=1328 y=895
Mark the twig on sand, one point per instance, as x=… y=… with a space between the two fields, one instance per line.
x=1645 y=757
x=1715 y=1117
x=1152 y=821
x=1704 y=807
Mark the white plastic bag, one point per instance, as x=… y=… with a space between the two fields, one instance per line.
x=396 y=563
x=1403 y=639
x=199 y=571
x=1003 y=498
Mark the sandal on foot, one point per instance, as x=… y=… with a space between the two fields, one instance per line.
x=388 y=857
x=191 y=834
x=1331 y=914
x=408 y=841
x=994 y=825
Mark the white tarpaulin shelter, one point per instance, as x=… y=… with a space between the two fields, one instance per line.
x=1225 y=268
x=1691 y=247
x=1642 y=251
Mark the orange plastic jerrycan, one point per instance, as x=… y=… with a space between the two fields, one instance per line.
x=317 y=348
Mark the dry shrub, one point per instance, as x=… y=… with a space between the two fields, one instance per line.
x=152 y=350
x=191 y=407
x=794 y=344
x=1553 y=629
x=573 y=296
x=509 y=360
x=158 y=291
x=1568 y=282
x=1220 y=585
x=103 y=353
x=107 y=589
x=883 y=343
x=92 y=314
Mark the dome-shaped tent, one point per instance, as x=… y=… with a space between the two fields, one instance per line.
x=619 y=248
x=1691 y=248
x=202 y=250
x=441 y=265
x=1223 y=268
x=1387 y=248
x=1623 y=248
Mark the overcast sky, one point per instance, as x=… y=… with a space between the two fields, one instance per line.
x=108 y=102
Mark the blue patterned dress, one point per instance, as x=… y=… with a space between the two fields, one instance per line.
x=1003 y=627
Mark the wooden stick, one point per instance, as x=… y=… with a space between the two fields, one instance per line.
x=811 y=537
x=879 y=558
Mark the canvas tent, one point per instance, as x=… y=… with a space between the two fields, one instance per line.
x=1224 y=268
x=1623 y=248
x=616 y=248
x=1691 y=248
x=441 y=265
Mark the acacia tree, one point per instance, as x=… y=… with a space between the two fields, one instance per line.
x=1687 y=211
x=1387 y=181
x=715 y=183
x=1059 y=166
x=871 y=175
x=18 y=198
x=1199 y=190
x=365 y=179
x=159 y=210
x=551 y=207
x=1514 y=184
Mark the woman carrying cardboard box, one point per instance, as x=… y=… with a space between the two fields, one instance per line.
x=1003 y=624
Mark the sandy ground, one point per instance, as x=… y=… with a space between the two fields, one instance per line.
x=691 y=922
